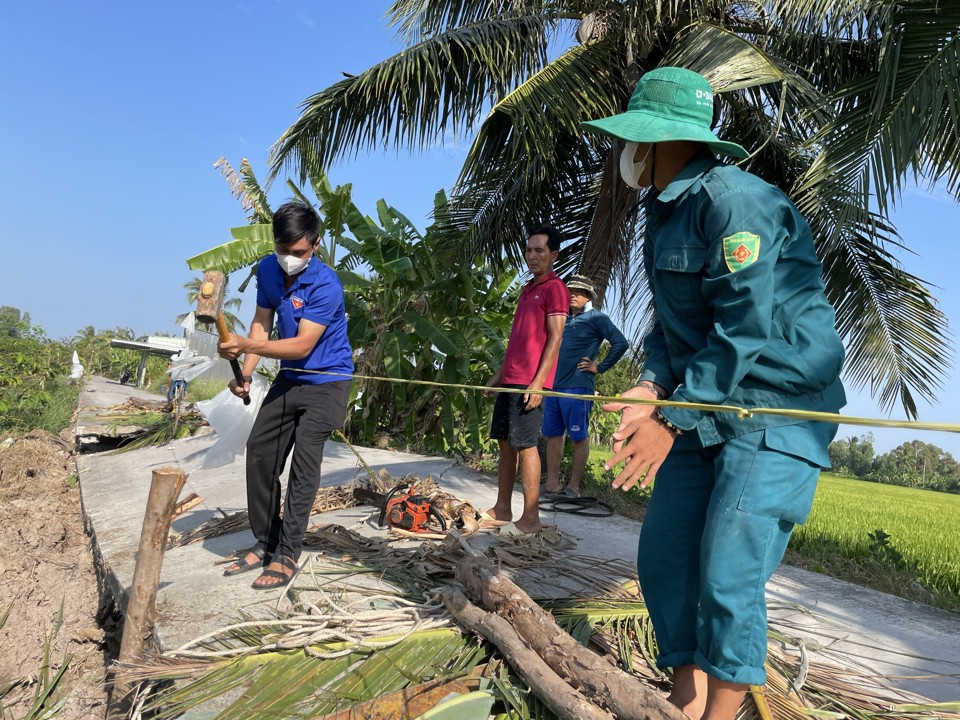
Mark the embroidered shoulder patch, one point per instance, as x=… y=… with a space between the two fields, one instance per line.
x=297 y=302
x=740 y=250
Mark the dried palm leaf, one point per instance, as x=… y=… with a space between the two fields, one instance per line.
x=352 y=575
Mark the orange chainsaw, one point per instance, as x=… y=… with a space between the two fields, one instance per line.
x=402 y=508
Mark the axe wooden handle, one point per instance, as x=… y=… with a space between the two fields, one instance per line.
x=224 y=334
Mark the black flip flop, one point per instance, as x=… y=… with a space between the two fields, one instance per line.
x=583 y=506
x=285 y=579
x=244 y=566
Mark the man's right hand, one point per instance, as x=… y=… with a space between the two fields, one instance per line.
x=241 y=391
x=632 y=412
x=493 y=382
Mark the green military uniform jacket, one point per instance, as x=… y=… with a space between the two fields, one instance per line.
x=741 y=314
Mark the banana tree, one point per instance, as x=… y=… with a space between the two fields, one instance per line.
x=420 y=318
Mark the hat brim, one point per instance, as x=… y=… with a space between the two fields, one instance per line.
x=589 y=291
x=641 y=127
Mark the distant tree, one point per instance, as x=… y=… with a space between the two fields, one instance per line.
x=13 y=322
x=919 y=464
x=193 y=291
x=853 y=456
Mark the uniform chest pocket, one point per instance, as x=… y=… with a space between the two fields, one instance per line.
x=679 y=274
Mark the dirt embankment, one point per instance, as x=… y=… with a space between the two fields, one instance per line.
x=48 y=585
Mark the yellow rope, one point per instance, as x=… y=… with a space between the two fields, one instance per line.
x=743 y=413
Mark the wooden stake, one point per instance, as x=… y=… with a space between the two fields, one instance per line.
x=139 y=618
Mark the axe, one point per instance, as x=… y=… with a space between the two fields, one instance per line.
x=209 y=310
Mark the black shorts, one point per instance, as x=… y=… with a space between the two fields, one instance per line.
x=513 y=422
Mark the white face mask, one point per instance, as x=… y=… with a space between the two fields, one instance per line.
x=630 y=171
x=292 y=265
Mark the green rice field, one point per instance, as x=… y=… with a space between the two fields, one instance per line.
x=923 y=528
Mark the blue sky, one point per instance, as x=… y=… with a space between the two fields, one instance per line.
x=113 y=113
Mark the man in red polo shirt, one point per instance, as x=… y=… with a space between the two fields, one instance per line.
x=530 y=363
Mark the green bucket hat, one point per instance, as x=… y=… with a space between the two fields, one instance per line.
x=669 y=103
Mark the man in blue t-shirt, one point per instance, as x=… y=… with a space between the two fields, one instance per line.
x=304 y=299
x=577 y=368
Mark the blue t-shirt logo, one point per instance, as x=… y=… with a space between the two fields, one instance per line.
x=297 y=302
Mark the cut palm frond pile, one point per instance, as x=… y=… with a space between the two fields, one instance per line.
x=329 y=499
x=214 y=527
x=139 y=423
x=157 y=428
x=361 y=626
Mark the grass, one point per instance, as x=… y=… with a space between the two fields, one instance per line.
x=902 y=541
x=899 y=540
x=58 y=413
x=53 y=413
x=197 y=390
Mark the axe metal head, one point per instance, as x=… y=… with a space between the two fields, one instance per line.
x=210 y=296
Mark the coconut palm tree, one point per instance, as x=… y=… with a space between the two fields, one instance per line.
x=841 y=101
x=193 y=292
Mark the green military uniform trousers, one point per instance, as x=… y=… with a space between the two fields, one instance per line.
x=716 y=528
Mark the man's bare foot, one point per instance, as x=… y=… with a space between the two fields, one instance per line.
x=545 y=488
x=491 y=518
x=528 y=527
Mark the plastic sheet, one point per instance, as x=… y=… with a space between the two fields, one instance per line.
x=188 y=366
x=76 y=372
x=233 y=422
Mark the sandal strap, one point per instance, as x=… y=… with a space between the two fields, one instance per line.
x=288 y=562
x=274 y=574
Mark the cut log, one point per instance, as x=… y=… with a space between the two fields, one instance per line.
x=563 y=700
x=597 y=678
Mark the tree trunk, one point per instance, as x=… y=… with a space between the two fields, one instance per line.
x=563 y=700
x=606 y=245
x=622 y=694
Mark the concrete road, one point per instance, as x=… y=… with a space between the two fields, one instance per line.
x=895 y=638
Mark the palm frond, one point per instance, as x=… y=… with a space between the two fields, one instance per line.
x=303 y=684
x=903 y=119
x=894 y=331
x=442 y=83
x=416 y=20
x=246 y=189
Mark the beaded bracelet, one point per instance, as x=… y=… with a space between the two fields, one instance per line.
x=673 y=429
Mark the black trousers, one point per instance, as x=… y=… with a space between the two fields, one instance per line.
x=299 y=417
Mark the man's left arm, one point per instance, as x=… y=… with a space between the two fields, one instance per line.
x=548 y=359
x=618 y=343
x=741 y=298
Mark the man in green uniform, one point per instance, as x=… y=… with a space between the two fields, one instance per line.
x=742 y=320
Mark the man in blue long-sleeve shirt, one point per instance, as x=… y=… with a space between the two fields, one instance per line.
x=585 y=331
